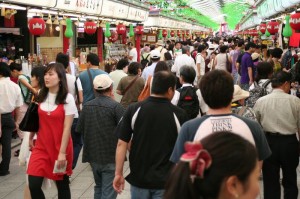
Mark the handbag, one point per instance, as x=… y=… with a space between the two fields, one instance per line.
x=27 y=98
x=30 y=121
x=146 y=91
x=228 y=64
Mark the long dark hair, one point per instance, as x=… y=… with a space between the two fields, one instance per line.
x=231 y=155
x=63 y=87
x=264 y=70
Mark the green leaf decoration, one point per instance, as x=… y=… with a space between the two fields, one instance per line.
x=287 y=30
x=69 y=31
x=260 y=33
x=160 y=36
x=169 y=35
x=107 y=30
x=267 y=34
x=131 y=32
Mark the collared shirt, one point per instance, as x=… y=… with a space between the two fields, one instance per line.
x=202 y=104
x=116 y=76
x=97 y=122
x=10 y=96
x=183 y=60
x=200 y=60
x=278 y=112
x=246 y=63
x=149 y=71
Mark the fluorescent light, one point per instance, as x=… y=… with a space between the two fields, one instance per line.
x=70 y=15
x=91 y=17
x=4 y=5
x=42 y=11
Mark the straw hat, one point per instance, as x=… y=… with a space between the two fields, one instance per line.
x=160 y=43
x=239 y=93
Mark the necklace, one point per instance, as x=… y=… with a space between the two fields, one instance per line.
x=48 y=112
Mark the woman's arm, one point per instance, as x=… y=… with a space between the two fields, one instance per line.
x=27 y=85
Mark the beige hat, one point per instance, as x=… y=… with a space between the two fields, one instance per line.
x=160 y=43
x=255 y=56
x=239 y=93
x=155 y=54
x=102 y=82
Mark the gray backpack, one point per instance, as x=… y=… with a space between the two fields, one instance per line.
x=256 y=93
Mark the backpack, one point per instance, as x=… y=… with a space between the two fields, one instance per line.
x=145 y=61
x=287 y=60
x=188 y=101
x=256 y=93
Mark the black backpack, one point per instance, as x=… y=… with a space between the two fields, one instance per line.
x=145 y=61
x=188 y=101
x=256 y=93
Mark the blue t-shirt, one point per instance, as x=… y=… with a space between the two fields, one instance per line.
x=88 y=89
x=246 y=63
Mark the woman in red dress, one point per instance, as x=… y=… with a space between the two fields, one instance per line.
x=54 y=143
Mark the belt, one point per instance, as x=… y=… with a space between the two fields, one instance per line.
x=279 y=134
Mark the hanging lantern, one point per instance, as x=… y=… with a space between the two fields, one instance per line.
x=172 y=33
x=36 y=26
x=69 y=30
x=183 y=33
x=90 y=27
x=139 y=29
x=121 y=29
x=287 y=30
x=295 y=21
x=131 y=32
x=187 y=33
x=273 y=27
x=262 y=28
x=164 y=32
x=169 y=35
x=160 y=36
x=114 y=36
x=253 y=32
x=178 y=33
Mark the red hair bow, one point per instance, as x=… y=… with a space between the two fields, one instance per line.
x=199 y=158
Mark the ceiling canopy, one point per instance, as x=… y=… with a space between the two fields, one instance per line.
x=210 y=13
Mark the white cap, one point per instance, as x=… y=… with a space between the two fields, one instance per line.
x=102 y=82
x=155 y=54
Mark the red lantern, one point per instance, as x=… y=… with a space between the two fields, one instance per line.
x=273 y=27
x=36 y=26
x=172 y=33
x=295 y=21
x=90 y=27
x=121 y=29
x=254 y=32
x=164 y=32
x=263 y=28
x=187 y=32
x=183 y=33
x=178 y=33
x=139 y=29
x=114 y=36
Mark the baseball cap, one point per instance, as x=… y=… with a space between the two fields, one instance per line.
x=155 y=54
x=102 y=82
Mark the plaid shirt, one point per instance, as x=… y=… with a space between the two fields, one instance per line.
x=97 y=123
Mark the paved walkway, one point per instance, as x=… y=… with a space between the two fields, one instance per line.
x=82 y=182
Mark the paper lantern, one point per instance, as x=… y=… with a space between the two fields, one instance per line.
x=114 y=36
x=131 y=32
x=295 y=21
x=107 y=31
x=36 y=26
x=69 y=30
x=287 y=30
x=178 y=33
x=187 y=33
x=164 y=33
x=183 y=33
x=121 y=29
x=262 y=28
x=172 y=33
x=90 y=27
x=273 y=27
x=139 y=29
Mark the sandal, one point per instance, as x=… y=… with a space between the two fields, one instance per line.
x=16 y=154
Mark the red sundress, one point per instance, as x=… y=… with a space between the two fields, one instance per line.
x=47 y=145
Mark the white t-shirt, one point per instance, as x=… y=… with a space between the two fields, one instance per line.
x=200 y=60
x=116 y=76
x=221 y=61
x=71 y=86
x=49 y=104
x=133 y=54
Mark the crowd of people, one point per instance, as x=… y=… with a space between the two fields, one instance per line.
x=195 y=119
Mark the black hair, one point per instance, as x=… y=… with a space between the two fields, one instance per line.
x=250 y=45
x=188 y=74
x=171 y=47
x=122 y=63
x=240 y=43
x=4 y=69
x=39 y=72
x=63 y=59
x=177 y=42
x=280 y=78
x=93 y=59
x=263 y=46
x=14 y=66
x=63 y=87
x=152 y=47
x=217 y=88
x=168 y=56
x=231 y=155
x=201 y=48
x=133 y=68
x=277 y=52
x=264 y=69
x=130 y=43
x=161 y=66
x=223 y=49
x=162 y=81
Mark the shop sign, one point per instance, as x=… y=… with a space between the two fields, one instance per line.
x=114 y=9
x=137 y=14
x=83 y=6
x=267 y=42
x=271 y=7
x=42 y=3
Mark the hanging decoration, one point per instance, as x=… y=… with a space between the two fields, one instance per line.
x=262 y=28
x=287 y=30
x=273 y=27
x=36 y=26
x=69 y=30
x=183 y=33
x=107 y=31
x=172 y=33
x=121 y=29
x=113 y=37
x=178 y=33
x=90 y=27
x=160 y=36
x=131 y=32
x=187 y=33
x=267 y=34
x=164 y=33
x=295 y=21
x=139 y=29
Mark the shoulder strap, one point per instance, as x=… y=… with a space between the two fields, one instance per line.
x=161 y=49
x=130 y=85
x=266 y=83
x=24 y=97
x=147 y=56
x=76 y=90
x=91 y=81
x=242 y=110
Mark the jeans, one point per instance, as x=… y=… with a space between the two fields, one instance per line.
x=245 y=87
x=139 y=193
x=104 y=176
x=235 y=76
x=77 y=142
x=285 y=155
x=7 y=127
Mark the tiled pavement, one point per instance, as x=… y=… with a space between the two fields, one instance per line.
x=82 y=182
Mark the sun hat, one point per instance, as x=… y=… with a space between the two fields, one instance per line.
x=102 y=82
x=255 y=56
x=239 y=93
x=160 y=43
